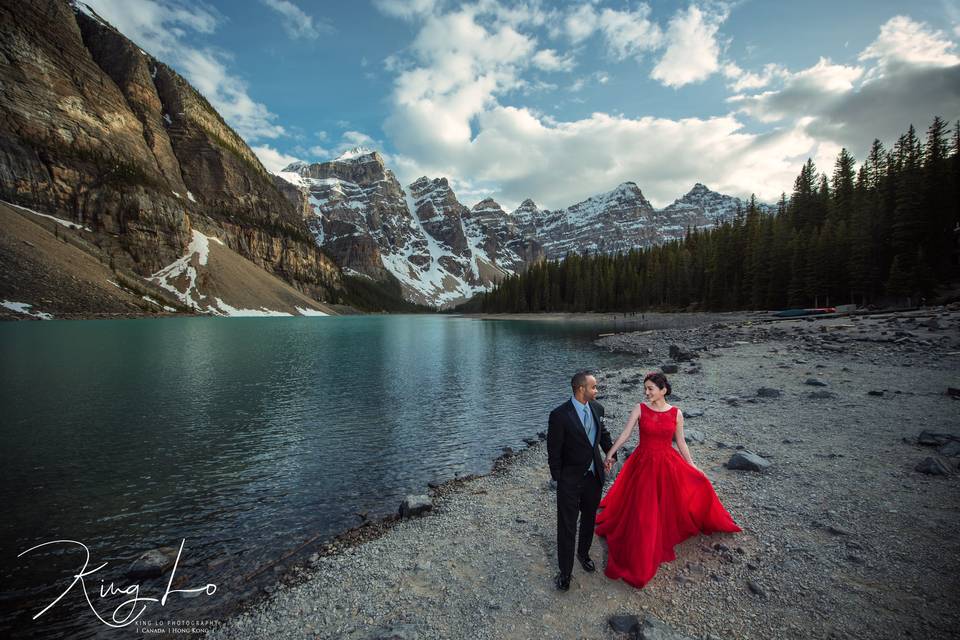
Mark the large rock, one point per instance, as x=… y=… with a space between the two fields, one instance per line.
x=747 y=461
x=935 y=439
x=153 y=563
x=932 y=466
x=415 y=506
x=653 y=629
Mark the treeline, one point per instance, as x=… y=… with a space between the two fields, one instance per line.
x=885 y=231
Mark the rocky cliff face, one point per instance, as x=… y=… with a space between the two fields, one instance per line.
x=502 y=236
x=441 y=251
x=424 y=237
x=618 y=220
x=705 y=208
x=96 y=130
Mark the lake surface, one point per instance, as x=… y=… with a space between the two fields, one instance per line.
x=245 y=437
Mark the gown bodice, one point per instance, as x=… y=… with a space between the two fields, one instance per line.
x=656 y=428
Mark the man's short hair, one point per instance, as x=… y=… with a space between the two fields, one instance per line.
x=579 y=379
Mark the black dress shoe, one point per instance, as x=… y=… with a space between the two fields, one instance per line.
x=587 y=564
x=562 y=582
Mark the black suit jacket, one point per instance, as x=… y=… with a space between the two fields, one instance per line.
x=568 y=450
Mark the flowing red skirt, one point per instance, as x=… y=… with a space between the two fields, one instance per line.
x=657 y=501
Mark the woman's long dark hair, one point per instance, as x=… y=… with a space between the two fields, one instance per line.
x=660 y=380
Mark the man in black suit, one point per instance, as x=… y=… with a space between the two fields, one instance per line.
x=575 y=436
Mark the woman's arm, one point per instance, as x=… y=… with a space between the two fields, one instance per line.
x=622 y=438
x=682 y=442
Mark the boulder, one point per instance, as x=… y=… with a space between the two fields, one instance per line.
x=653 y=629
x=153 y=563
x=932 y=466
x=415 y=506
x=747 y=461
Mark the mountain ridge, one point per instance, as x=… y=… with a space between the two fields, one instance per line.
x=445 y=248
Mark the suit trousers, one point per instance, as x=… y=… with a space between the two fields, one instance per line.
x=576 y=496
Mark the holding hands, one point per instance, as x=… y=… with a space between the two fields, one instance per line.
x=607 y=463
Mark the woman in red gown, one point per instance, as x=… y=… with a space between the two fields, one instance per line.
x=659 y=498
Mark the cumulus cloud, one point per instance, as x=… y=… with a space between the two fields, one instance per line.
x=548 y=60
x=461 y=66
x=629 y=33
x=909 y=75
x=272 y=159
x=207 y=72
x=158 y=27
x=296 y=22
x=905 y=43
x=804 y=92
x=692 y=52
x=626 y=33
x=447 y=120
x=449 y=116
x=742 y=80
x=580 y=23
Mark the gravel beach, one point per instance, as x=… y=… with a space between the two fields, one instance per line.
x=843 y=536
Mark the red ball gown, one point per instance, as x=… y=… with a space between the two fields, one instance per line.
x=658 y=500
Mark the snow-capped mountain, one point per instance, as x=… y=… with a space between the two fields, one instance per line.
x=618 y=220
x=703 y=208
x=442 y=252
x=358 y=211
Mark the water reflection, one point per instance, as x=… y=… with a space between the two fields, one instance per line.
x=246 y=437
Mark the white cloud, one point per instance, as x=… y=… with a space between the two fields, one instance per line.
x=744 y=80
x=296 y=22
x=356 y=139
x=450 y=117
x=517 y=154
x=580 y=23
x=228 y=94
x=159 y=27
x=462 y=65
x=548 y=60
x=272 y=159
x=156 y=26
x=904 y=42
x=692 y=53
x=803 y=93
x=629 y=33
x=908 y=75
x=406 y=9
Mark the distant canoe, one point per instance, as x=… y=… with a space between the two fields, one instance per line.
x=789 y=313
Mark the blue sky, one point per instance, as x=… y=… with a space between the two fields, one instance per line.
x=560 y=101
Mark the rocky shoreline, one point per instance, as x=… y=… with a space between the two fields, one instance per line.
x=843 y=536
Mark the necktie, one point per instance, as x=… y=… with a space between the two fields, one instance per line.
x=586 y=427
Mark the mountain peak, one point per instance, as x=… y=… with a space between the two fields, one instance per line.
x=699 y=188
x=356 y=153
x=295 y=166
x=487 y=203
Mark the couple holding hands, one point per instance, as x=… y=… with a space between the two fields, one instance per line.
x=659 y=499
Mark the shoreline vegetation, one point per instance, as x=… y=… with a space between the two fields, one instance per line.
x=848 y=533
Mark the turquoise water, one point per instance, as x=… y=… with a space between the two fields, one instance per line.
x=246 y=437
